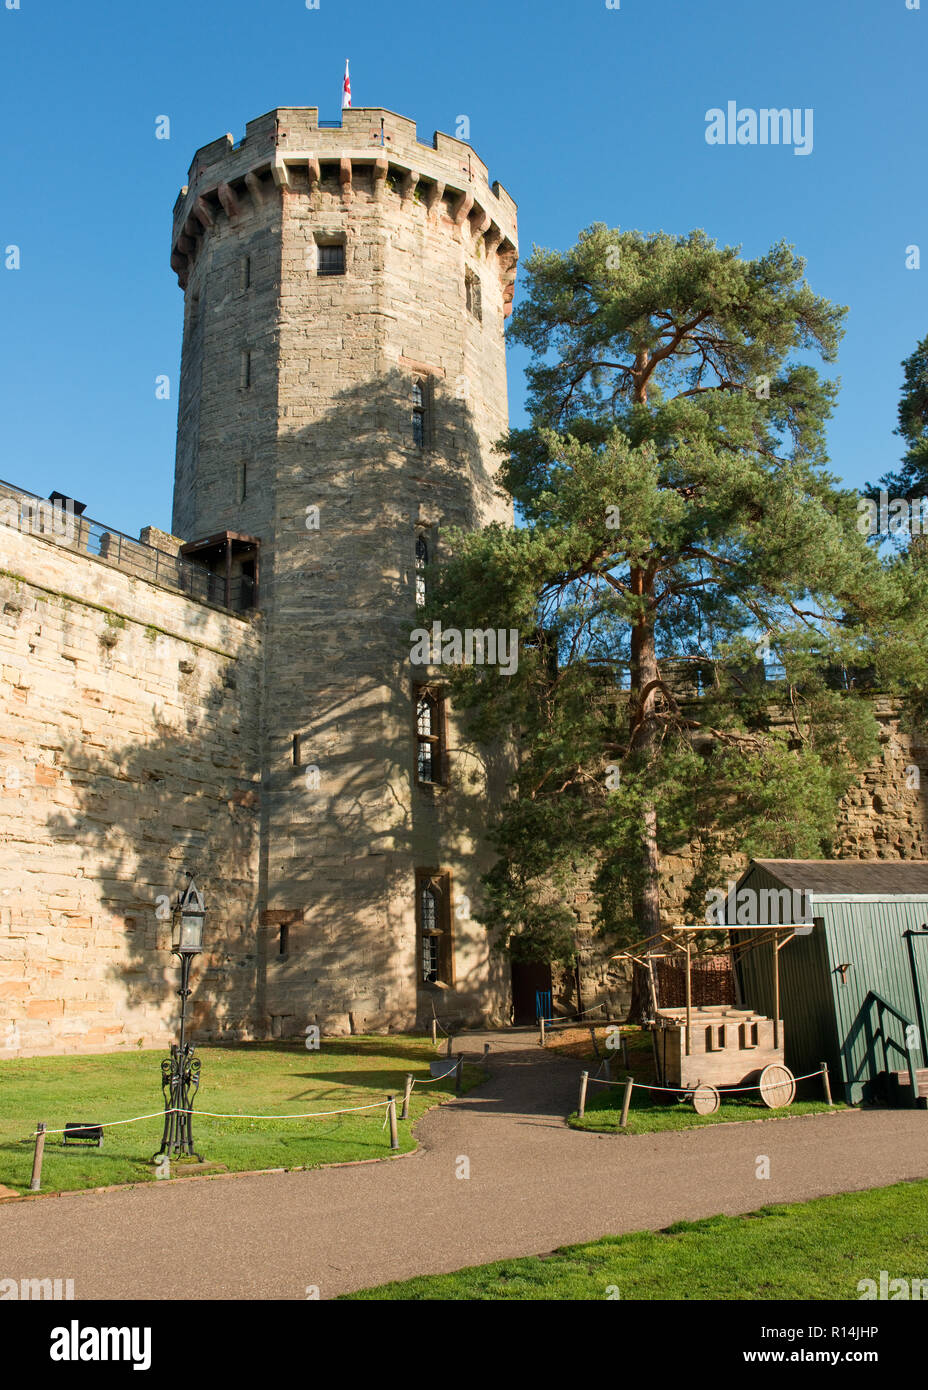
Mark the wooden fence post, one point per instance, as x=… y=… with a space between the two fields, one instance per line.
x=486 y=1054
x=434 y=1031
x=541 y=1033
x=404 y=1113
x=450 y=1041
x=459 y=1073
x=626 y=1101
x=826 y=1083
x=36 y=1184
x=391 y=1111
x=584 y=1078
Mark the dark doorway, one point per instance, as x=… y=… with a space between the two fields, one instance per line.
x=528 y=976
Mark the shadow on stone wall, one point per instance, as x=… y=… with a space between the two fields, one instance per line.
x=191 y=792
x=338 y=643
x=139 y=812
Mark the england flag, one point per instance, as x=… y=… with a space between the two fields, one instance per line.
x=346 y=88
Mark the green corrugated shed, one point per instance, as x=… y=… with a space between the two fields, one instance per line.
x=860 y=910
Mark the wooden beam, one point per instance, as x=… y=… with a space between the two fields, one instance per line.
x=281 y=916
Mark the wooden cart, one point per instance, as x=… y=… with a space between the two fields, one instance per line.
x=721 y=1047
x=700 y=1050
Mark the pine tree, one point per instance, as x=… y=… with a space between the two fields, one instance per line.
x=680 y=529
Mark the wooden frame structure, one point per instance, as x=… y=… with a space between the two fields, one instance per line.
x=716 y=1045
x=681 y=937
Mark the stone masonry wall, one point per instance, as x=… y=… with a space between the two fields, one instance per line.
x=884 y=816
x=129 y=723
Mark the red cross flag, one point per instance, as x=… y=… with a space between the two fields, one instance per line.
x=346 y=88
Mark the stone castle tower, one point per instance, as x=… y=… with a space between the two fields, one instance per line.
x=343 y=383
x=237 y=698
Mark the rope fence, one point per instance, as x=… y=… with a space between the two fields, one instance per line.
x=42 y=1130
x=419 y=1081
x=411 y=1081
x=631 y=1085
x=563 y=1025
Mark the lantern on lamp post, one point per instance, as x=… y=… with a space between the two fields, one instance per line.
x=180 y=1073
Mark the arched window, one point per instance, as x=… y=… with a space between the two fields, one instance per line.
x=422 y=559
x=418 y=414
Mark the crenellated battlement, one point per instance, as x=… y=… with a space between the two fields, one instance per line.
x=288 y=149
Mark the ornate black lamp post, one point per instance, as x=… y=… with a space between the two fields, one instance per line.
x=180 y=1073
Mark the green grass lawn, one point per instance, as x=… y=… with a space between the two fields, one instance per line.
x=240 y=1078
x=809 y=1250
x=648 y=1115
x=650 y=1112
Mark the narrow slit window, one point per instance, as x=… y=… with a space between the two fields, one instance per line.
x=246 y=273
x=246 y=370
x=422 y=559
x=284 y=941
x=418 y=415
x=430 y=934
x=472 y=295
x=297 y=750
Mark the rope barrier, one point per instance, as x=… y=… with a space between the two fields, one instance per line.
x=418 y=1081
x=220 y=1115
x=305 y=1115
x=216 y=1115
x=675 y=1090
x=583 y=1014
x=107 y=1124
x=439 y=1023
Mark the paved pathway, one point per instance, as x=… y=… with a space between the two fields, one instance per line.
x=534 y=1185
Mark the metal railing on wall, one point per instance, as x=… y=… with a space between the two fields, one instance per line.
x=38 y=516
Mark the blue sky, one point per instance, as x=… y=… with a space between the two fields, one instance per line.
x=584 y=113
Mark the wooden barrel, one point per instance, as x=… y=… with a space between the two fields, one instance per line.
x=777 y=1086
x=706 y=1100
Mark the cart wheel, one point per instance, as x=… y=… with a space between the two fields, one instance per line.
x=706 y=1100
x=777 y=1086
